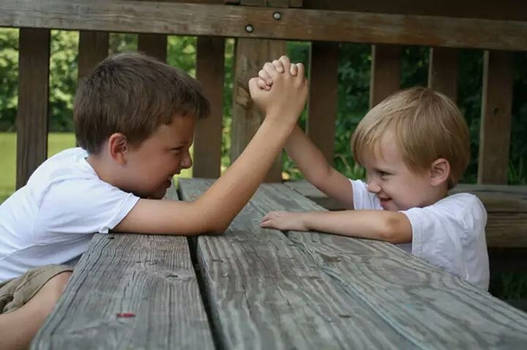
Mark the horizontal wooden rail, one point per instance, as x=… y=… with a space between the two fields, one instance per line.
x=259 y=22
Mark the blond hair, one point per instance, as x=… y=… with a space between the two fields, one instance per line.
x=427 y=125
x=133 y=94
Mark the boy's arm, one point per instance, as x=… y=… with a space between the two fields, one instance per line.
x=382 y=225
x=216 y=208
x=305 y=154
x=316 y=169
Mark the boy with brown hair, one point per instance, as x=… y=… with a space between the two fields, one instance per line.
x=414 y=146
x=134 y=120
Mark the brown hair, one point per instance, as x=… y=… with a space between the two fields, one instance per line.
x=427 y=125
x=133 y=94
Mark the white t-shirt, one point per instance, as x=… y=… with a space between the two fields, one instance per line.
x=449 y=233
x=52 y=219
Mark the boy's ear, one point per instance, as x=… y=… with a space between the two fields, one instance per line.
x=118 y=146
x=439 y=171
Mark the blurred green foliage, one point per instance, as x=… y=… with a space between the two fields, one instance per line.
x=353 y=91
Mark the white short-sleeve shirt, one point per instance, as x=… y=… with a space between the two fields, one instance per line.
x=52 y=219
x=449 y=233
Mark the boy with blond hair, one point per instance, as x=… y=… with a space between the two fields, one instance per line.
x=134 y=120
x=414 y=146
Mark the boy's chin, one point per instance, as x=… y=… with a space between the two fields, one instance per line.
x=158 y=195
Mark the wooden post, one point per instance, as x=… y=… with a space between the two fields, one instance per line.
x=207 y=140
x=443 y=71
x=323 y=96
x=495 y=130
x=33 y=97
x=154 y=45
x=385 y=72
x=93 y=48
x=251 y=54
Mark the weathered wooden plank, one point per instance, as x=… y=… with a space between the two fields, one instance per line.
x=154 y=45
x=210 y=72
x=264 y=293
x=150 y=276
x=296 y=24
x=33 y=96
x=323 y=96
x=506 y=207
x=426 y=305
x=507 y=9
x=251 y=54
x=495 y=130
x=385 y=72
x=442 y=71
x=93 y=48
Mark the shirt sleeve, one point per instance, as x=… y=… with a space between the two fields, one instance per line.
x=446 y=232
x=82 y=207
x=362 y=198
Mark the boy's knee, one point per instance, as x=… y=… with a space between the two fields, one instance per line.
x=61 y=280
x=56 y=285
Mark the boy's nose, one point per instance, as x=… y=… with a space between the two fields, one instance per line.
x=186 y=162
x=373 y=187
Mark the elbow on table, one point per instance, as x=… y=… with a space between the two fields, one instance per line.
x=396 y=229
x=218 y=229
x=214 y=225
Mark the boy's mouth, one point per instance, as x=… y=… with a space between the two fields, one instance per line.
x=384 y=200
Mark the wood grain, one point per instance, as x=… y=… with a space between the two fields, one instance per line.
x=251 y=54
x=150 y=276
x=93 y=48
x=496 y=115
x=33 y=96
x=210 y=72
x=443 y=71
x=295 y=24
x=424 y=304
x=385 y=72
x=264 y=293
x=323 y=96
x=310 y=290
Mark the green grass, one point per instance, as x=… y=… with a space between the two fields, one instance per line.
x=56 y=143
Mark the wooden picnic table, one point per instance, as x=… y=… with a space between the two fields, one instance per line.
x=255 y=288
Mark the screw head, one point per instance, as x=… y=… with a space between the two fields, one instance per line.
x=249 y=28
x=277 y=15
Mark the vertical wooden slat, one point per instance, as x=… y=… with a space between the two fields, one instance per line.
x=496 y=108
x=207 y=139
x=93 y=48
x=33 y=96
x=251 y=54
x=385 y=72
x=154 y=45
x=443 y=70
x=323 y=96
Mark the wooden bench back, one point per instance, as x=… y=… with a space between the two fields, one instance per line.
x=498 y=30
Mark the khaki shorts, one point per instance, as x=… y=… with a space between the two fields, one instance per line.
x=16 y=292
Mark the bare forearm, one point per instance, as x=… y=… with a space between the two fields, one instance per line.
x=307 y=156
x=229 y=194
x=373 y=224
x=316 y=169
